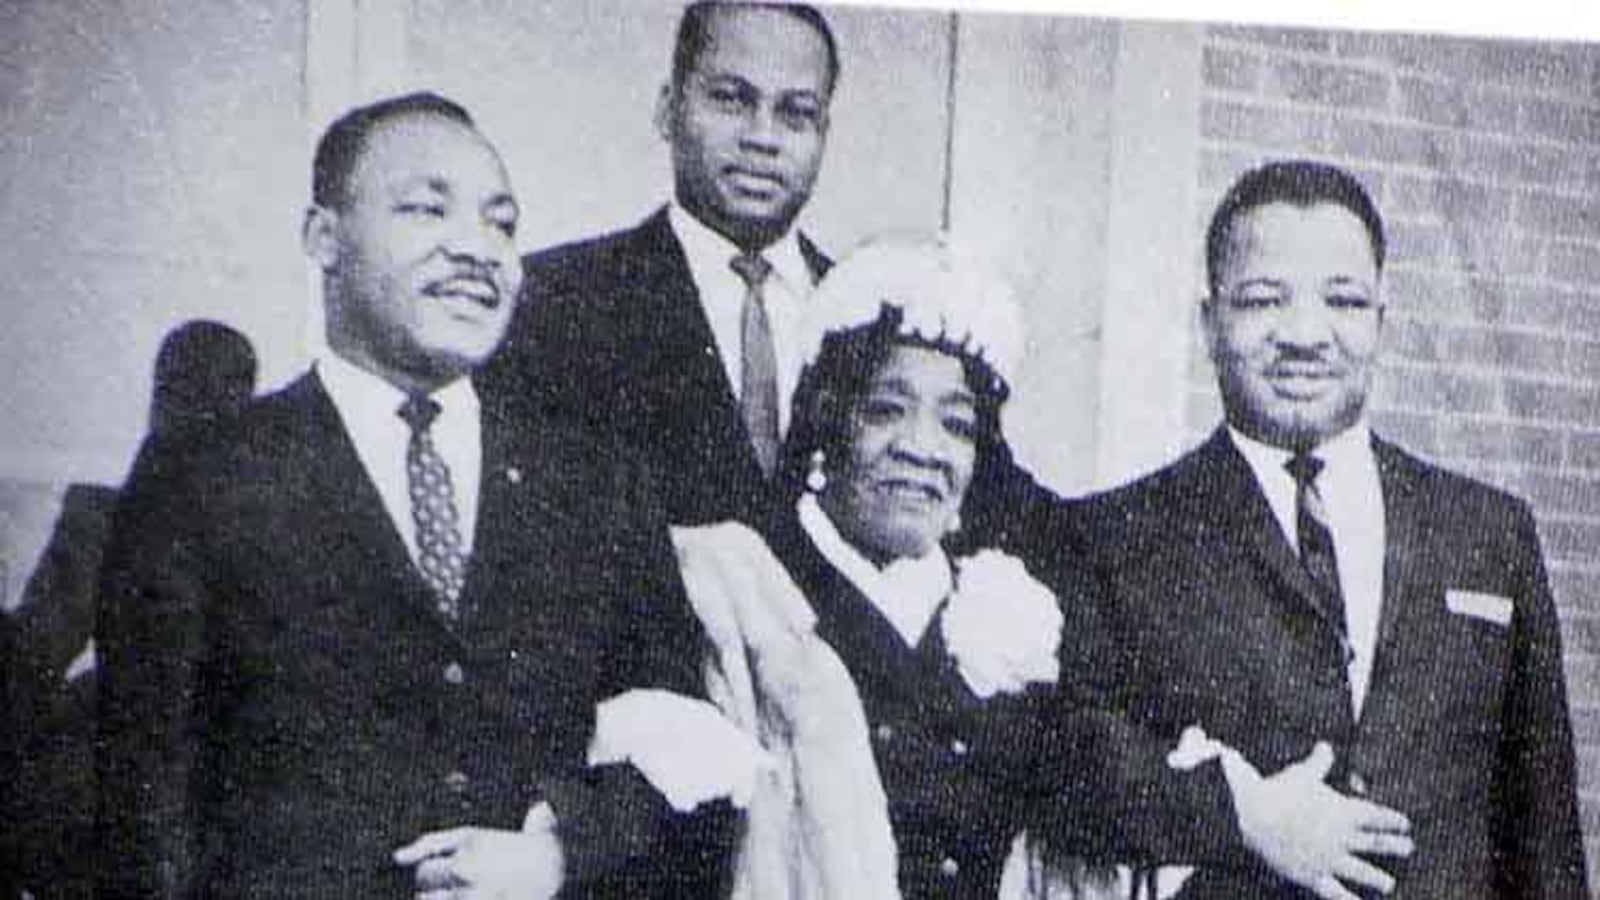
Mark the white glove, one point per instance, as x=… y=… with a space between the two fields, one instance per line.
x=685 y=748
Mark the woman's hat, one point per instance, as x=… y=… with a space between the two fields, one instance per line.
x=947 y=298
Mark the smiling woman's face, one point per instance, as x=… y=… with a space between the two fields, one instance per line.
x=909 y=459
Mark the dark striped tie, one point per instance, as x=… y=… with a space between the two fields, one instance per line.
x=1315 y=537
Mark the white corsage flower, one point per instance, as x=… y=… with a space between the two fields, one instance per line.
x=1002 y=627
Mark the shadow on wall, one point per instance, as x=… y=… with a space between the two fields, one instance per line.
x=205 y=373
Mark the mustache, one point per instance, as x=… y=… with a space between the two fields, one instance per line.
x=465 y=272
x=762 y=172
x=472 y=267
x=1293 y=360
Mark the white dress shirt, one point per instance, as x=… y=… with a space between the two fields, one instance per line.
x=369 y=408
x=722 y=294
x=1353 y=497
x=907 y=591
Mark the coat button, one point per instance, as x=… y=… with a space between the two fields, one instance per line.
x=513 y=474
x=1356 y=783
x=959 y=747
x=883 y=732
x=456 y=782
x=454 y=674
x=949 y=868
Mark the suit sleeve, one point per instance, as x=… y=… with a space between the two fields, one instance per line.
x=617 y=831
x=1115 y=798
x=151 y=641
x=1539 y=843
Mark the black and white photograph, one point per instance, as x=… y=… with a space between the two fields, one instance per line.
x=751 y=450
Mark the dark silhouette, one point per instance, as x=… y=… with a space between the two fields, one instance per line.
x=204 y=374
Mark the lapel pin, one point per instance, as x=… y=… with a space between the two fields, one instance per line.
x=513 y=474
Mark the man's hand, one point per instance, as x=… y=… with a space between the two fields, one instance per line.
x=1309 y=833
x=484 y=864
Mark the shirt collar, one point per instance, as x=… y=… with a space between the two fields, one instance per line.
x=1345 y=451
x=367 y=402
x=907 y=591
x=709 y=252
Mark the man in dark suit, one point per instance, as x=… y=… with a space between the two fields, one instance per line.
x=1300 y=593
x=679 y=334
x=353 y=646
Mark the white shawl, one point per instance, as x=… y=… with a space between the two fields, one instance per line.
x=818 y=821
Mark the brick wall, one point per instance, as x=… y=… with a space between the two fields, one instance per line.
x=1485 y=159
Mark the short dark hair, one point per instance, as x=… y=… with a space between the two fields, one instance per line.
x=695 y=24
x=340 y=146
x=844 y=368
x=1298 y=182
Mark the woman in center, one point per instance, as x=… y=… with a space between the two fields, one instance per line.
x=952 y=646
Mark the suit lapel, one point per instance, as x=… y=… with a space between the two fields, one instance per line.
x=676 y=318
x=358 y=519
x=1404 y=517
x=1394 y=708
x=1241 y=513
x=1412 y=671
x=495 y=473
x=688 y=371
x=517 y=483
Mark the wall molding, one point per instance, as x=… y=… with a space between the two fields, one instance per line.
x=1148 y=321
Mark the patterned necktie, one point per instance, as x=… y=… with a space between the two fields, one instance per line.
x=758 y=363
x=1311 y=528
x=433 y=509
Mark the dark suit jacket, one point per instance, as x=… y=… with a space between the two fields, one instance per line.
x=282 y=706
x=48 y=829
x=1465 y=726
x=611 y=331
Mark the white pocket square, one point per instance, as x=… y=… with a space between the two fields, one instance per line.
x=1488 y=607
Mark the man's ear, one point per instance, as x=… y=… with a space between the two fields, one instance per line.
x=666 y=100
x=319 y=236
x=1210 y=324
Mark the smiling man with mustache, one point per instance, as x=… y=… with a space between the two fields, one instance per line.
x=354 y=646
x=679 y=334
x=1374 y=633
x=1293 y=322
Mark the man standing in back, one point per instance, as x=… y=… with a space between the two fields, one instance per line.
x=679 y=334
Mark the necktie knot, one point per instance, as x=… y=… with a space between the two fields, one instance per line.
x=753 y=268
x=419 y=411
x=1305 y=468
